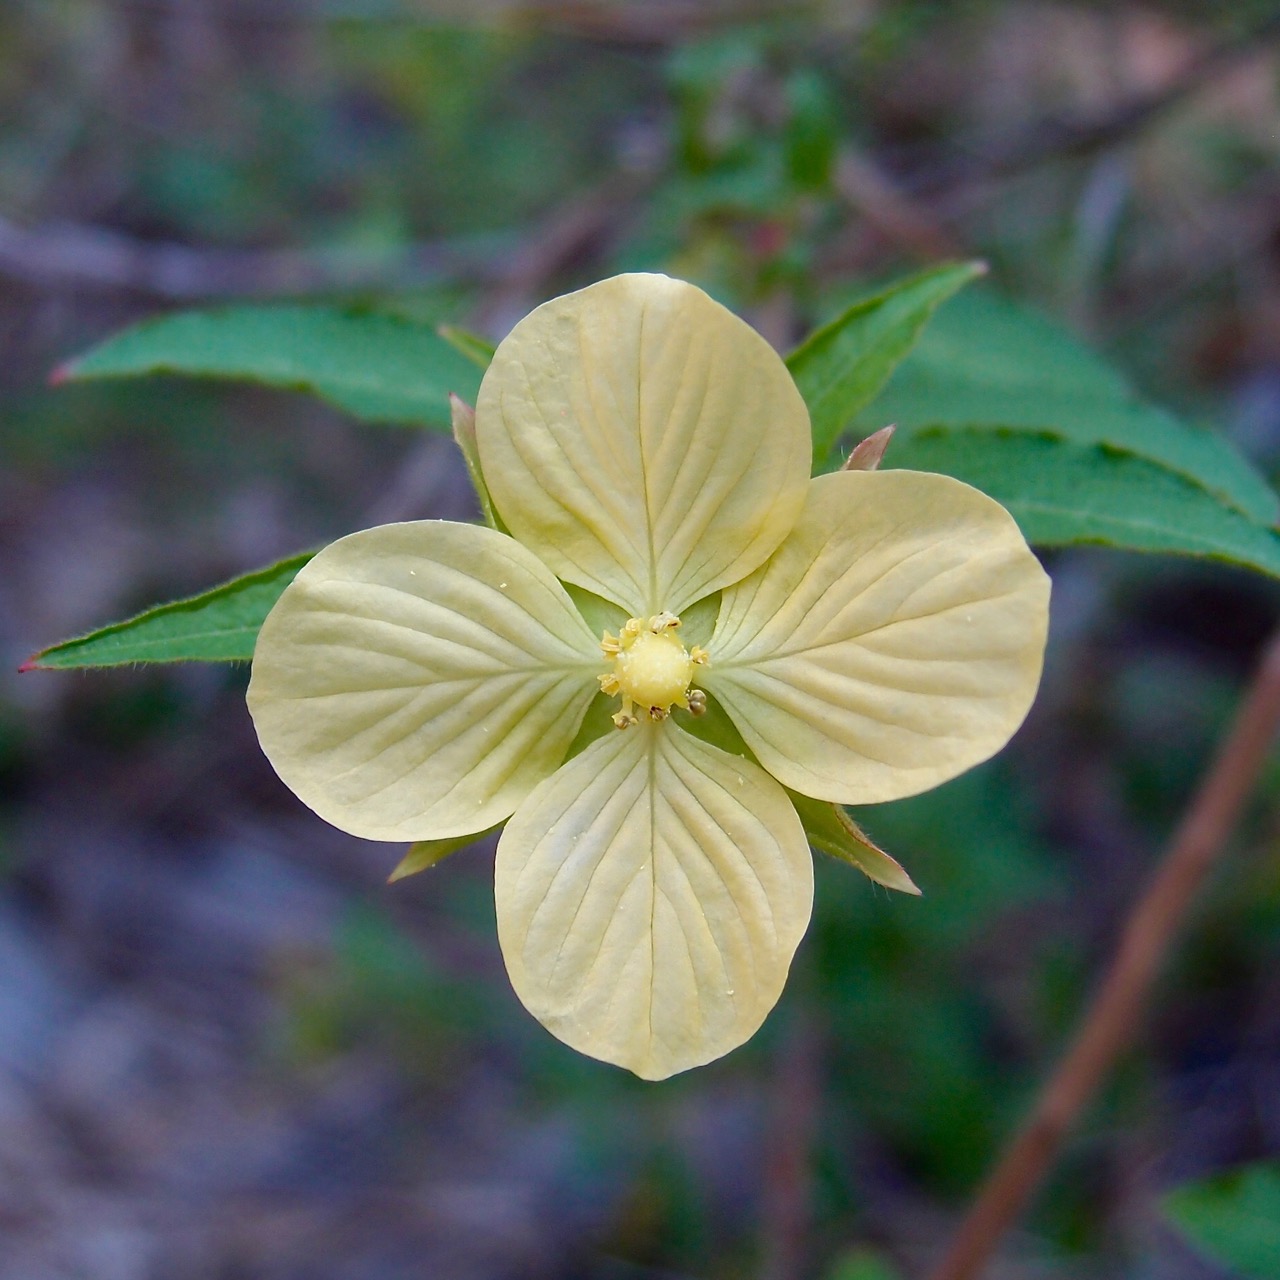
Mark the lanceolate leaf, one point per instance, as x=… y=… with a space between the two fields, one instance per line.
x=220 y=625
x=840 y=367
x=378 y=367
x=1234 y=1218
x=1061 y=492
x=985 y=362
x=477 y=349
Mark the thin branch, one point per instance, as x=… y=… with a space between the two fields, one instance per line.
x=787 y=1208
x=897 y=216
x=62 y=254
x=73 y=254
x=1116 y=1011
x=1055 y=139
x=641 y=22
x=662 y=23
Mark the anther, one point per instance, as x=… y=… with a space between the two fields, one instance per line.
x=650 y=670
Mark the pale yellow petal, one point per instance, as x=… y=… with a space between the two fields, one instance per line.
x=650 y=897
x=416 y=681
x=645 y=442
x=893 y=641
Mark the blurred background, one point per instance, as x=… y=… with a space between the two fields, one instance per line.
x=227 y=1049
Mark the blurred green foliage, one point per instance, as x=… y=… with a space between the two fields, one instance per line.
x=1234 y=1217
x=717 y=155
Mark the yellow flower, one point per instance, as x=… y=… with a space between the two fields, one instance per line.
x=869 y=634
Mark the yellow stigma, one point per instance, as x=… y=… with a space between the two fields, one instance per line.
x=652 y=670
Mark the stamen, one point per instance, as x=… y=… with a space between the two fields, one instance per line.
x=651 y=669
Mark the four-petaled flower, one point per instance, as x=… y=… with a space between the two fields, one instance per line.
x=869 y=635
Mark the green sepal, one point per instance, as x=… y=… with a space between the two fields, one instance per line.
x=464 y=434
x=597 y=722
x=868 y=454
x=698 y=621
x=426 y=853
x=827 y=826
x=599 y=614
x=831 y=830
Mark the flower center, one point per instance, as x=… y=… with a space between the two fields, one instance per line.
x=652 y=670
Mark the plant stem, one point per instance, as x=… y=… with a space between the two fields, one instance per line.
x=787 y=1210
x=1114 y=1014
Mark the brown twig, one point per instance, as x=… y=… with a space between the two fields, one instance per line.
x=641 y=22
x=79 y=255
x=898 y=217
x=75 y=254
x=787 y=1210
x=1056 y=139
x=1117 y=1006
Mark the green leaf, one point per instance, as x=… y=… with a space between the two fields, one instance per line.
x=1061 y=493
x=841 y=366
x=1234 y=1217
x=812 y=133
x=988 y=363
x=426 y=853
x=861 y=1264
x=220 y=625
x=380 y=368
